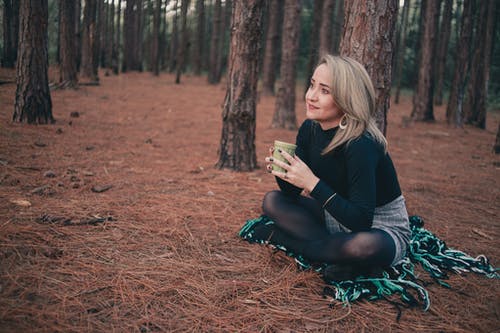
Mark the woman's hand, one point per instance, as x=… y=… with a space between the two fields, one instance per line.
x=297 y=172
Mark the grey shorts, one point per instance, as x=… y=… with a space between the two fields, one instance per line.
x=391 y=218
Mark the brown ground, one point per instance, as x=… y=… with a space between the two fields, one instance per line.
x=167 y=258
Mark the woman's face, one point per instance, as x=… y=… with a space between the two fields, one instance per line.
x=320 y=105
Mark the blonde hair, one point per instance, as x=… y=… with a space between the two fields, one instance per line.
x=353 y=92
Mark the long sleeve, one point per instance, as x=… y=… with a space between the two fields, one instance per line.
x=355 y=207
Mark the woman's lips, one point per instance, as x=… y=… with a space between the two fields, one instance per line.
x=311 y=107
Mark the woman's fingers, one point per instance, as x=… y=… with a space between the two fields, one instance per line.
x=279 y=163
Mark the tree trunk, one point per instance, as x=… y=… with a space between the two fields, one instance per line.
x=314 y=40
x=454 y=110
x=90 y=44
x=275 y=16
x=131 y=36
x=78 y=34
x=33 y=103
x=401 y=48
x=68 y=67
x=338 y=23
x=284 y=114
x=496 y=148
x=155 y=49
x=214 y=42
x=221 y=55
x=181 y=52
x=117 y=48
x=368 y=37
x=442 y=56
x=103 y=33
x=325 y=35
x=112 y=40
x=175 y=39
x=477 y=91
x=10 y=32
x=424 y=95
x=237 y=148
x=200 y=37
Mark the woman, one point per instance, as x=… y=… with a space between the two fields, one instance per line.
x=339 y=201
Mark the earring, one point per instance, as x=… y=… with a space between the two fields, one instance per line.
x=343 y=122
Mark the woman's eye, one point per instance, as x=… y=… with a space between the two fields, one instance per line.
x=325 y=91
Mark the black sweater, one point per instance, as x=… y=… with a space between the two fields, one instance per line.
x=360 y=173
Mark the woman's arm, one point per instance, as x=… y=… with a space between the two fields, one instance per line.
x=355 y=210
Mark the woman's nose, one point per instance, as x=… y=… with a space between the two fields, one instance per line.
x=311 y=94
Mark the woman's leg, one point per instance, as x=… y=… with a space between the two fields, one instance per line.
x=300 y=217
x=299 y=226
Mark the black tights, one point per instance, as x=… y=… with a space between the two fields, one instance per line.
x=300 y=226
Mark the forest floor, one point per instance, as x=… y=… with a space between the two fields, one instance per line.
x=159 y=251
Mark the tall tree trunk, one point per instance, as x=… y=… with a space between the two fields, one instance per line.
x=103 y=28
x=442 y=56
x=401 y=48
x=164 y=44
x=237 y=145
x=221 y=55
x=78 y=34
x=496 y=148
x=214 y=42
x=200 y=37
x=175 y=39
x=111 y=36
x=325 y=35
x=338 y=24
x=116 y=54
x=454 y=110
x=424 y=95
x=284 y=114
x=155 y=49
x=314 y=40
x=68 y=70
x=88 y=72
x=33 y=103
x=368 y=37
x=272 y=46
x=477 y=90
x=181 y=52
x=132 y=36
x=10 y=32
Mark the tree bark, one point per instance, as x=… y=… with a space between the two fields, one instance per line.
x=496 y=148
x=275 y=17
x=325 y=39
x=175 y=39
x=78 y=34
x=214 y=42
x=10 y=32
x=155 y=49
x=454 y=110
x=369 y=33
x=477 y=90
x=112 y=40
x=284 y=114
x=200 y=38
x=117 y=48
x=88 y=71
x=314 y=40
x=221 y=55
x=68 y=63
x=338 y=23
x=237 y=146
x=424 y=95
x=132 y=36
x=181 y=52
x=33 y=103
x=442 y=56
x=401 y=49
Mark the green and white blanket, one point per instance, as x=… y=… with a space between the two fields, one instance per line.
x=425 y=249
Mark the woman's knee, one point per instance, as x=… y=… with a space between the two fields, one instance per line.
x=271 y=201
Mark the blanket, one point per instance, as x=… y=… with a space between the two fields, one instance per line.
x=425 y=249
